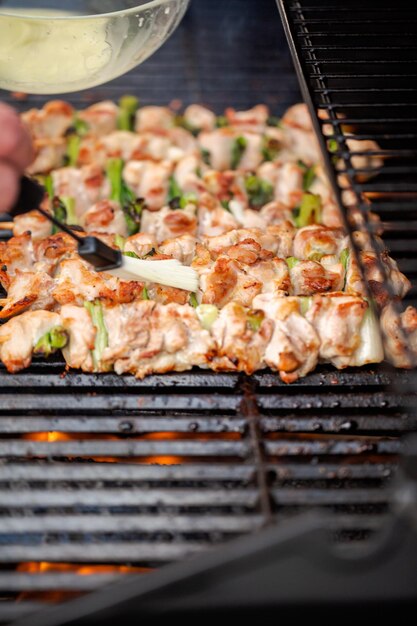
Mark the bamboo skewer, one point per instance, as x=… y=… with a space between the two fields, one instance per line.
x=6 y=225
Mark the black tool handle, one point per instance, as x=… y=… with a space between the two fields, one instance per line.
x=91 y=249
x=30 y=197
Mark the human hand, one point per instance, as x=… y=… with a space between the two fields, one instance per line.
x=16 y=153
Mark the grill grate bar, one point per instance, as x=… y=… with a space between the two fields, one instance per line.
x=331 y=446
x=128 y=497
x=109 y=552
x=128 y=448
x=134 y=425
x=14 y=582
x=330 y=497
x=130 y=523
x=57 y=472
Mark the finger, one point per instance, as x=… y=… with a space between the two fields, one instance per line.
x=9 y=186
x=15 y=141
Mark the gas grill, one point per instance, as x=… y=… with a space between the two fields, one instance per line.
x=211 y=491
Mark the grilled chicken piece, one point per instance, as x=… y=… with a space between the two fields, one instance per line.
x=227 y=280
x=199 y=118
x=252 y=120
x=288 y=188
x=101 y=118
x=317 y=239
x=400 y=334
x=244 y=271
x=171 y=147
x=118 y=144
x=168 y=223
x=213 y=219
x=34 y=223
x=51 y=250
x=17 y=253
x=149 y=180
x=277 y=239
x=141 y=244
x=186 y=174
x=76 y=283
x=162 y=294
x=310 y=277
x=220 y=145
x=49 y=154
x=275 y=213
x=19 y=336
x=339 y=321
x=226 y=185
x=76 y=321
x=87 y=185
x=181 y=248
x=294 y=346
x=299 y=139
x=398 y=283
x=146 y=338
x=105 y=217
x=27 y=290
x=50 y=122
x=241 y=337
x=154 y=119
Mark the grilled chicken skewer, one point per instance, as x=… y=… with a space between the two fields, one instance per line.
x=241 y=201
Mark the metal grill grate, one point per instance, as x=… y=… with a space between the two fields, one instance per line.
x=201 y=458
x=357 y=68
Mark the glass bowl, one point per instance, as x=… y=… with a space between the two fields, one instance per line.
x=81 y=44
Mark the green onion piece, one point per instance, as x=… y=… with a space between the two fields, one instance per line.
x=315 y=256
x=133 y=215
x=292 y=261
x=120 y=242
x=332 y=145
x=145 y=294
x=114 y=172
x=119 y=192
x=49 y=185
x=69 y=204
x=370 y=348
x=180 y=121
x=270 y=148
x=344 y=259
x=73 y=149
x=50 y=342
x=174 y=190
x=207 y=314
x=95 y=310
x=193 y=300
x=305 y=304
x=225 y=205
x=132 y=254
x=206 y=156
x=128 y=105
x=238 y=149
x=309 y=175
x=81 y=127
x=309 y=211
x=254 y=319
x=64 y=211
x=222 y=121
x=176 y=198
x=259 y=191
x=273 y=120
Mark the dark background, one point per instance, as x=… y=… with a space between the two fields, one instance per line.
x=224 y=53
